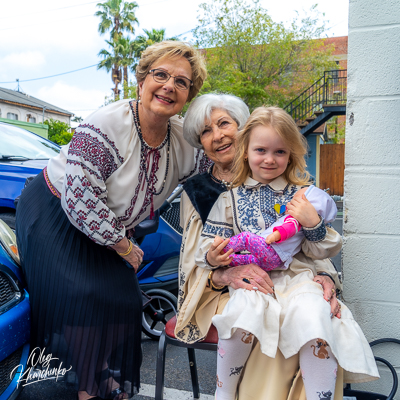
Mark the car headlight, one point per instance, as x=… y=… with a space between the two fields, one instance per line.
x=9 y=241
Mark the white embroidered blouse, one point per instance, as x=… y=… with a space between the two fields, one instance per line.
x=109 y=178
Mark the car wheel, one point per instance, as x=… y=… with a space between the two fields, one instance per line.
x=156 y=314
x=9 y=219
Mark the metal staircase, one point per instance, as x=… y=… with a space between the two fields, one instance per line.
x=320 y=102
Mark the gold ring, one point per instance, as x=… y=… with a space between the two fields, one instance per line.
x=333 y=292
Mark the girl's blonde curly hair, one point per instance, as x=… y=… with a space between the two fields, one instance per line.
x=286 y=128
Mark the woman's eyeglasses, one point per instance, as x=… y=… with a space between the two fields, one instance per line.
x=162 y=76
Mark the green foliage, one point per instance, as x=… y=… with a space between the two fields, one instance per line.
x=336 y=130
x=77 y=119
x=257 y=59
x=129 y=92
x=117 y=16
x=142 y=42
x=58 y=131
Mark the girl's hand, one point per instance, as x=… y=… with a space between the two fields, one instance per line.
x=233 y=277
x=301 y=209
x=273 y=237
x=329 y=294
x=216 y=256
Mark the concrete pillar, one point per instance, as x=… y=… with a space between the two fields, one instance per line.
x=371 y=254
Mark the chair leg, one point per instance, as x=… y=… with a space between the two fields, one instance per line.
x=160 y=369
x=193 y=373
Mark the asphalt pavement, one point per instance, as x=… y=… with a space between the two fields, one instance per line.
x=177 y=376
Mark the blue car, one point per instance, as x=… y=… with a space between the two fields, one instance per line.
x=14 y=317
x=22 y=154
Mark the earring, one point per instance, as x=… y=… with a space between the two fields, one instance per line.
x=245 y=159
x=139 y=101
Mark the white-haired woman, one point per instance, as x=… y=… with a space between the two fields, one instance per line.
x=74 y=220
x=212 y=122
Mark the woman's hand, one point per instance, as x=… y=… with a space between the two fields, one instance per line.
x=134 y=258
x=329 y=294
x=259 y=279
x=216 y=256
x=301 y=209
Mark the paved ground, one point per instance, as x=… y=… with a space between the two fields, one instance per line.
x=177 y=377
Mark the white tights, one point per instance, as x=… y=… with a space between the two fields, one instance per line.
x=232 y=356
x=318 y=366
x=318 y=369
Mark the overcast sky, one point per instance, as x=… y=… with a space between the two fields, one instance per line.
x=48 y=37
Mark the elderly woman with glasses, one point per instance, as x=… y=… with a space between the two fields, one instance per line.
x=75 y=218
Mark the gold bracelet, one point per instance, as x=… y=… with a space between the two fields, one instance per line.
x=126 y=252
x=211 y=284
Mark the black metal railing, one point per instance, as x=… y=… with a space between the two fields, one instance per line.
x=329 y=90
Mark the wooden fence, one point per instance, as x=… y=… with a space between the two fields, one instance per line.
x=331 y=168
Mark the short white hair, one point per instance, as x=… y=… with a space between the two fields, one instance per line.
x=199 y=112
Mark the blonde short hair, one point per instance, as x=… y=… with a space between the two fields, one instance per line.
x=286 y=128
x=173 y=49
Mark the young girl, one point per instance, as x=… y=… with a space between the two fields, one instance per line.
x=269 y=170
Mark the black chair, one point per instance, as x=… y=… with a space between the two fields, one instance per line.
x=168 y=337
x=362 y=395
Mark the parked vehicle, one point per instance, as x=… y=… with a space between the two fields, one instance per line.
x=22 y=154
x=159 y=269
x=14 y=316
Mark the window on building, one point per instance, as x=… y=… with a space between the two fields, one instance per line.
x=12 y=116
x=30 y=118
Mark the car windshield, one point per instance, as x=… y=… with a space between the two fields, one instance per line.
x=19 y=144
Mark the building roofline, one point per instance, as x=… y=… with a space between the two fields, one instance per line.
x=36 y=107
x=23 y=100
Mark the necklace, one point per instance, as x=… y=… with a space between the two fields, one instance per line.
x=223 y=182
x=146 y=152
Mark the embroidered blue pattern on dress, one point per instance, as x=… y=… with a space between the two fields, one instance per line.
x=248 y=209
x=316 y=234
x=217 y=229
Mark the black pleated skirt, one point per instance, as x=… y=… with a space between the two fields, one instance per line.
x=86 y=303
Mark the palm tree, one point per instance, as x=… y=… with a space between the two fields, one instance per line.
x=142 y=42
x=112 y=61
x=117 y=16
x=125 y=48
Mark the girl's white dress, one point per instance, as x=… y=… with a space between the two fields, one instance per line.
x=299 y=313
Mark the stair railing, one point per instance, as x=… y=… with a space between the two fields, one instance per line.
x=331 y=89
